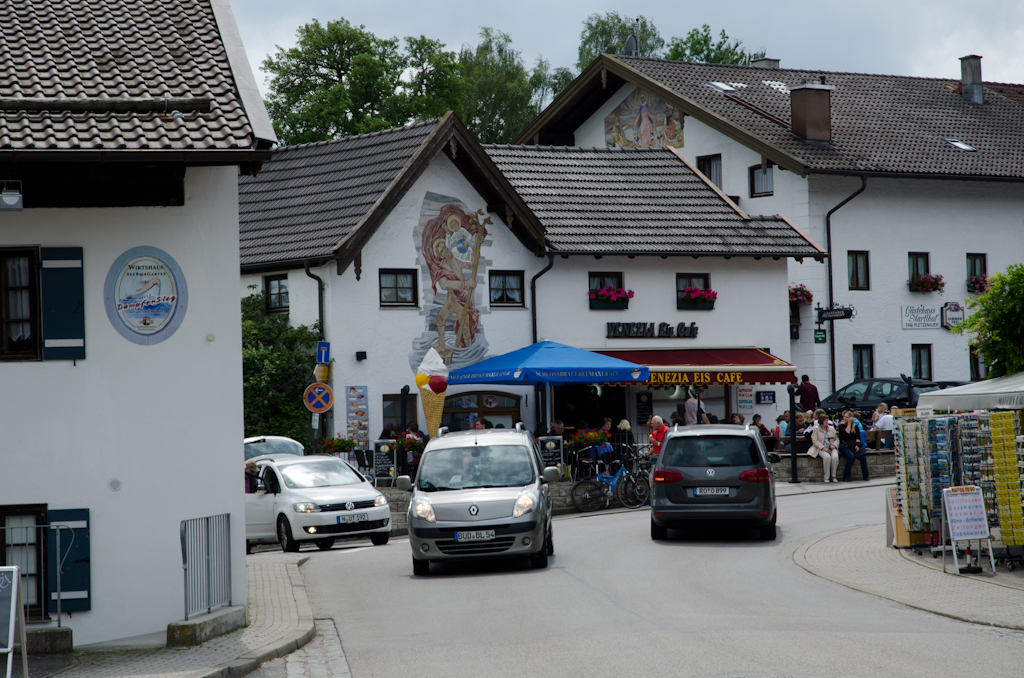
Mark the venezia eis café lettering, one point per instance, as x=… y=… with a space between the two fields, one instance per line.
x=667 y=330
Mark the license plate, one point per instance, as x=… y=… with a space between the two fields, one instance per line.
x=478 y=535
x=352 y=518
x=711 y=491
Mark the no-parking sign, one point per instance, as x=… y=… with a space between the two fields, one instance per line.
x=318 y=398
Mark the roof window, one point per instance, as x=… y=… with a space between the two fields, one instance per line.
x=722 y=87
x=961 y=145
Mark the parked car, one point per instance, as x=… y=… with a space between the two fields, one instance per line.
x=864 y=395
x=714 y=473
x=315 y=498
x=260 y=445
x=480 y=494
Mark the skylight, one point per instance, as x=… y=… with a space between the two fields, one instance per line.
x=961 y=145
x=722 y=87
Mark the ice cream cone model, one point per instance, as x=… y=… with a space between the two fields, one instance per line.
x=432 y=379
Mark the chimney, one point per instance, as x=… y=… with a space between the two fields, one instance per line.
x=811 y=111
x=970 y=79
x=766 y=62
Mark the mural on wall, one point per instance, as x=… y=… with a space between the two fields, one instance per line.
x=643 y=121
x=449 y=238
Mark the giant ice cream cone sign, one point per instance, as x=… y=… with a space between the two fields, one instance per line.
x=432 y=380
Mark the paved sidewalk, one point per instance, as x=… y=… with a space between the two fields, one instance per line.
x=859 y=558
x=280 y=621
x=784 y=488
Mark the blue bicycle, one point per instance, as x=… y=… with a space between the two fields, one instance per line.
x=631 y=486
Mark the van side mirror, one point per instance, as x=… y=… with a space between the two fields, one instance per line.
x=774 y=458
x=403 y=483
x=550 y=474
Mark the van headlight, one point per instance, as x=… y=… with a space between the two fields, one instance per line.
x=422 y=509
x=306 y=507
x=380 y=500
x=524 y=505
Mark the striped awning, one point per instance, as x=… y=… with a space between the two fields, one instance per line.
x=688 y=366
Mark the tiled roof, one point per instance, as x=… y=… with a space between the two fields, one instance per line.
x=880 y=123
x=309 y=198
x=637 y=201
x=117 y=49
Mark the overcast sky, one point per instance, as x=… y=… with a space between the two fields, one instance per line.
x=903 y=37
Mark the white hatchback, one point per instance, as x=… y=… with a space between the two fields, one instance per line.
x=316 y=499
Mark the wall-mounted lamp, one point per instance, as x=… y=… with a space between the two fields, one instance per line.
x=10 y=195
x=360 y=355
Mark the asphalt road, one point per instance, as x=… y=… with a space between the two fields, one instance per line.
x=614 y=603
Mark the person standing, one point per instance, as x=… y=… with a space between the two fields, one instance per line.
x=657 y=435
x=693 y=410
x=825 y=445
x=808 y=394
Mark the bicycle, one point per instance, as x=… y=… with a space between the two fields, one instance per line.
x=631 y=487
x=635 y=488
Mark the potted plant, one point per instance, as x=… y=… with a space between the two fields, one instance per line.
x=335 y=446
x=977 y=284
x=696 y=299
x=610 y=298
x=799 y=294
x=927 y=283
x=586 y=438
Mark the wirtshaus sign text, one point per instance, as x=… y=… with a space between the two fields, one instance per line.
x=651 y=330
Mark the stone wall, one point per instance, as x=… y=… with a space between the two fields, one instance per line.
x=880 y=463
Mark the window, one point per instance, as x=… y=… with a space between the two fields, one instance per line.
x=711 y=167
x=19 y=295
x=398 y=287
x=507 y=288
x=977 y=264
x=855 y=392
x=917 y=265
x=761 y=181
x=393 y=411
x=863 y=361
x=599 y=281
x=880 y=390
x=22 y=546
x=857 y=266
x=500 y=410
x=699 y=280
x=275 y=287
x=921 y=355
x=979 y=370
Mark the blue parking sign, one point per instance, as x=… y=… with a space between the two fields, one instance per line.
x=323 y=351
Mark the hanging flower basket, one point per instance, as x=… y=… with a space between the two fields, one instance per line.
x=610 y=298
x=587 y=438
x=696 y=299
x=977 y=284
x=799 y=294
x=335 y=445
x=927 y=283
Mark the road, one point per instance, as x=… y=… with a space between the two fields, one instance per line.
x=614 y=603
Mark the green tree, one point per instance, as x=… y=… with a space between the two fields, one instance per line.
x=606 y=34
x=996 y=324
x=435 y=84
x=500 y=97
x=700 y=46
x=548 y=83
x=277 y=365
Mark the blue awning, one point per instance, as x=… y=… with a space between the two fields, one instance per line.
x=547 y=362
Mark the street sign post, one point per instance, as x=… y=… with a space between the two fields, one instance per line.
x=838 y=313
x=323 y=351
x=318 y=398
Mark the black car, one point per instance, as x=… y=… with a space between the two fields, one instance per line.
x=864 y=395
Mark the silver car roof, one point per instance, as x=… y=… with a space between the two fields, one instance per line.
x=714 y=429
x=488 y=436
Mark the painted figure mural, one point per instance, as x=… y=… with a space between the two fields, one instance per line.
x=643 y=121
x=449 y=239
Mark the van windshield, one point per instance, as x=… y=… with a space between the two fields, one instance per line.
x=704 y=451
x=462 y=468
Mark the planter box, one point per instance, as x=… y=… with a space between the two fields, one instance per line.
x=604 y=305
x=695 y=304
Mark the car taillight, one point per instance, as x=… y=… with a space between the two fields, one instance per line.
x=662 y=476
x=756 y=475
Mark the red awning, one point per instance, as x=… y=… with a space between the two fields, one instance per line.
x=710 y=366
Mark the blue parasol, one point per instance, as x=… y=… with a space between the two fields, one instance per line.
x=547 y=362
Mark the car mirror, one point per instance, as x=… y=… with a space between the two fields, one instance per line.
x=403 y=483
x=550 y=474
x=774 y=458
x=261 y=487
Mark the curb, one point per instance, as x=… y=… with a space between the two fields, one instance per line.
x=800 y=558
x=250 y=662
x=816 y=488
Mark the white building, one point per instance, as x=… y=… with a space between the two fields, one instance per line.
x=120 y=344
x=919 y=175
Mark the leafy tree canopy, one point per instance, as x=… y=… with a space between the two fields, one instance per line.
x=277 y=363
x=700 y=46
x=606 y=34
x=996 y=324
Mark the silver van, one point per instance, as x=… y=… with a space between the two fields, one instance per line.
x=480 y=494
x=713 y=473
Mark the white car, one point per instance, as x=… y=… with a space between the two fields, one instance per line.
x=257 y=446
x=315 y=498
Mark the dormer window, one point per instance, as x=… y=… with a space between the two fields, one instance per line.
x=722 y=87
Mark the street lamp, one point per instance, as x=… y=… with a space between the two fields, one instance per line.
x=791 y=389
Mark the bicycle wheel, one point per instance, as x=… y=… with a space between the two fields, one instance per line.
x=589 y=495
x=634 y=492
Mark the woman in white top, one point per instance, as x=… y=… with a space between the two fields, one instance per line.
x=825 y=444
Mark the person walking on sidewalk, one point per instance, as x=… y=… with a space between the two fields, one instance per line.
x=808 y=394
x=825 y=444
x=850 y=445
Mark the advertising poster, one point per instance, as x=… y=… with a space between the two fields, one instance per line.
x=358 y=419
x=745 y=398
x=965 y=513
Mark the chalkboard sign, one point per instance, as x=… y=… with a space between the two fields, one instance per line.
x=551 y=450
x=8 y=608
x=644 y=408
x=384 y=457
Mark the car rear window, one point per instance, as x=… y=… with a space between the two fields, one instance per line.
x=704 y=451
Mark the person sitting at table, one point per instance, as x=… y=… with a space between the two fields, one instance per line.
x=756 y=421
x=884 y=425
x=803 y=434
x=825 y=446
x=558 y=429
x=736 y=419
x=781 y=427
x=850 y=446
x=623 y=434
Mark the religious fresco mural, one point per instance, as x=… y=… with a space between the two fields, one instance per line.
x=643 y=121
x=449 y=239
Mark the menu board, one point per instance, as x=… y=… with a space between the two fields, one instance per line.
x=551 y=450
x=383 y=458
x=644 y=408
x=358 y=421
x=8 y=594
x=965 y=512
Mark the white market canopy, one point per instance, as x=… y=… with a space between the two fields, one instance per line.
x=1003 y=393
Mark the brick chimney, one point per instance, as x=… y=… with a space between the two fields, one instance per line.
x=811 y=111
x=970 y=79
x=766 y=62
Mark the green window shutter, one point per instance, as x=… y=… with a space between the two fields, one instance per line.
x=62 y=299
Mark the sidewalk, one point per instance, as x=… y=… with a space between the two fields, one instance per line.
x=280 y=621
x=784 y=488
x=859 y=559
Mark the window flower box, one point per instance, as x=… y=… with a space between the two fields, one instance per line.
x=609 y=299
x=696 y=299
x=927 y=283
x=977 y=284
x=799 y=294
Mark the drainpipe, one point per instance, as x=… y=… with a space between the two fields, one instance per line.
x=539 y=402
x=831 y=295
x=320 y=296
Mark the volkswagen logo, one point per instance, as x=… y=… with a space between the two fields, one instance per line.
x=349 y=506
x=473 y=510
x=711 y=473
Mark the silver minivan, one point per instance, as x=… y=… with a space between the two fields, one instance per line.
x=480 y=494
x=713 y=473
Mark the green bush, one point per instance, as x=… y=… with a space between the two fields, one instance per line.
x=996 y=322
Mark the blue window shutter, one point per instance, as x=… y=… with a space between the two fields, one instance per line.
x=62 y=293
x=75 y=574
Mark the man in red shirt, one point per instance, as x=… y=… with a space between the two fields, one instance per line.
x=807 y=394
x=657 y=435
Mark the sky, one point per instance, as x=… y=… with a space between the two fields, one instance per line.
x=897 y=37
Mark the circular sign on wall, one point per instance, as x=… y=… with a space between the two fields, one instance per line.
x=145 y=295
